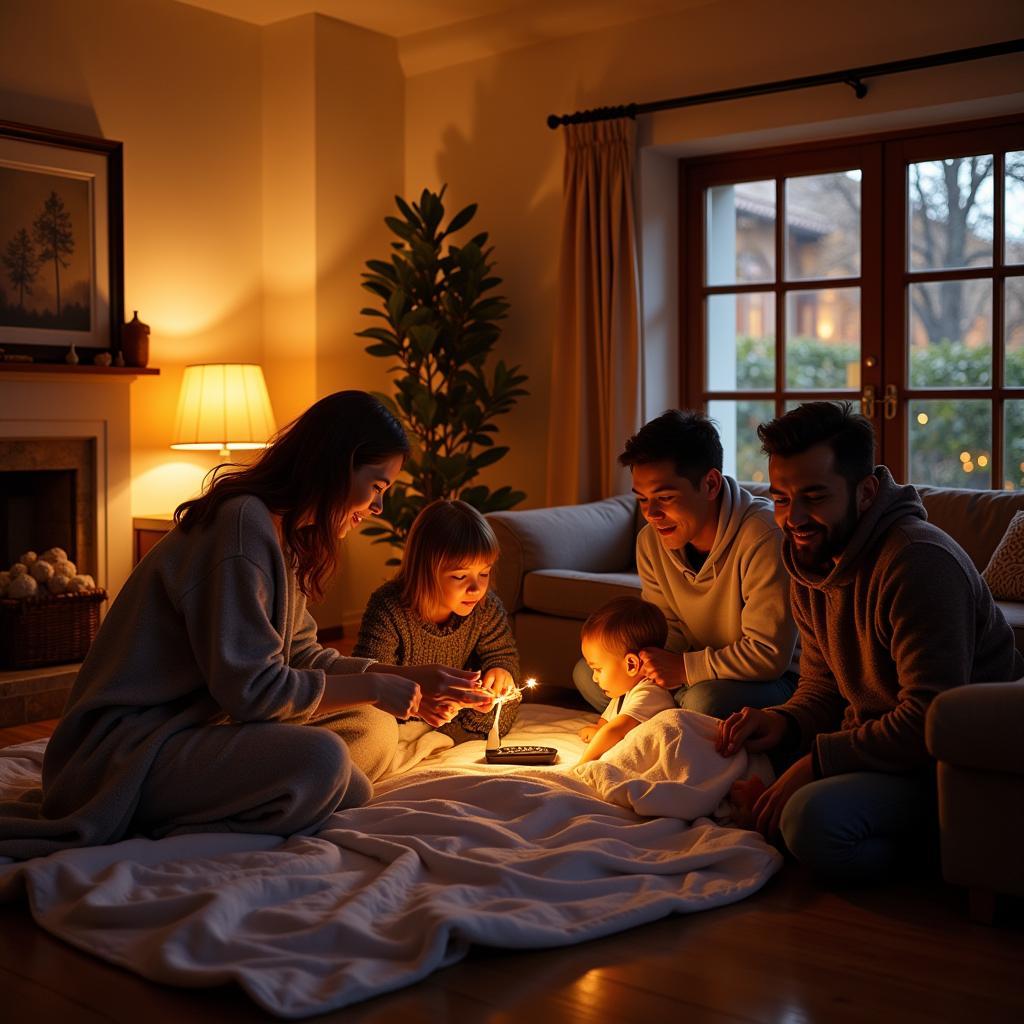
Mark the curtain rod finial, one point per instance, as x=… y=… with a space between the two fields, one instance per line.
x=554 y=121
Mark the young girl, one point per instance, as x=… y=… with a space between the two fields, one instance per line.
x=190 y=712
x=438 y=610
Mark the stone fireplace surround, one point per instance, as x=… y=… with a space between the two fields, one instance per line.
x=92 y=407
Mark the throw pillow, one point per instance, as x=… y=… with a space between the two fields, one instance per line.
x=1004 y=573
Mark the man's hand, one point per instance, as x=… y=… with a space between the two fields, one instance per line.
x=499 y=682
x=770 y=804
x=394 y=694
x=666 y=669
x=751 y=728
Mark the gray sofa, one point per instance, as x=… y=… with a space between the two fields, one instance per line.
x=557 y=565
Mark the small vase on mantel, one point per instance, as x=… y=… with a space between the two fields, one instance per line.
x=135 y=341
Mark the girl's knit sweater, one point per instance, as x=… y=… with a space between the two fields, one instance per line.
x=395 y=635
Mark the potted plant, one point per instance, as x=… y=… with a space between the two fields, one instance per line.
x=440 y=325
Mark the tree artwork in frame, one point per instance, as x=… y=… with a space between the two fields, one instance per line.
x=61 y=243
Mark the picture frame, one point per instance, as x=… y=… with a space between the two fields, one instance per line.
x=61 y=243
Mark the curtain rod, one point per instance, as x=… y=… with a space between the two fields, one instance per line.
x=853 y=77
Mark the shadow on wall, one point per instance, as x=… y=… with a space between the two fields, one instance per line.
x=507 y=161
x=504 y=157
x=46 y=112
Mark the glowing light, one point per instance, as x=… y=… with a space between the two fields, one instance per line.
x=530 y=683
x=757 y=476
x=922 y=418
x=982 y=461
x=965 y=456
x=968 y=467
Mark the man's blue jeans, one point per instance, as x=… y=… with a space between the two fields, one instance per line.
x=863 y=825
x=716 y=697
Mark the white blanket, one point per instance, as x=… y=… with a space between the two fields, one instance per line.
x=450 y=852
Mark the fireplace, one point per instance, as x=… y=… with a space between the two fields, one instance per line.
x=48 y=498
x=74 y=423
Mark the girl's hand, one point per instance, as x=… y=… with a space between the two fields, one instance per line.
x=587 y=732
x=395 y=695
x=499 y=681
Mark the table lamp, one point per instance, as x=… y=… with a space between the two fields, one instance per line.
x=223 y=407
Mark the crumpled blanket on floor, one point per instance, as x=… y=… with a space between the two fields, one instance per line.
x=451 y=852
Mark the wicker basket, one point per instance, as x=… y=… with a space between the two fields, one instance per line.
x=48 y=630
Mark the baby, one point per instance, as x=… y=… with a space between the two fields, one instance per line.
x=612 y=639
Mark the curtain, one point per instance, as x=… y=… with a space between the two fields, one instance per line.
x=597 y=360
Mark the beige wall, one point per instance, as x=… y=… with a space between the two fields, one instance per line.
x=359 y=153
x=480 y=127
x=181 y=89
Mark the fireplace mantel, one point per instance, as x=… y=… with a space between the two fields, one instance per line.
x=33 y=371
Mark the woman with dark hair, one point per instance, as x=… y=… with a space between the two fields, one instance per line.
x=188 y=714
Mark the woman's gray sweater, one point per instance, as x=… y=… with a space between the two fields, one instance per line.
x=210 y=628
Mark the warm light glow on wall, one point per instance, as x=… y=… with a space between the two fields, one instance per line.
x=223 y=407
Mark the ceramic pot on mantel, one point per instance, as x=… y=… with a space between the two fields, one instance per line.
x=135 y=341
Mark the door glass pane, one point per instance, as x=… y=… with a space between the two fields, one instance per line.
x=740 y=243
x=951 y=442
x=823 y=225
x=1014 y=239
x=1013 y=326
x=737 y=426
x=1013 y=453
x=741 y=342
x=950 y=334
x=950 y=205
x=823 y=338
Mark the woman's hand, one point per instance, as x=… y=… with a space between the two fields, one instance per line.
x=438 y=682
x=499 y=681
x=443 y=689
x=394 y=694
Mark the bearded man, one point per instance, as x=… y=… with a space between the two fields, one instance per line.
x=891 y=611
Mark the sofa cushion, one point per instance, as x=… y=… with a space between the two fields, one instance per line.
x=572 y=594
x=1014 y=613
x=594 y=538
x=976 y=520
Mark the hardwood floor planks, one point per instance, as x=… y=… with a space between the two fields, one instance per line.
x=899 y=953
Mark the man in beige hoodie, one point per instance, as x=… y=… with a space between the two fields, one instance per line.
x=891 y=611
x=710 y=559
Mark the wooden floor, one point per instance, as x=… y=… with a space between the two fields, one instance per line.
x=794 y=952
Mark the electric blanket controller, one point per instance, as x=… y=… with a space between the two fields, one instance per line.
x=522 y=755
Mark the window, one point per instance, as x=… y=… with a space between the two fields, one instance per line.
x=798 y=288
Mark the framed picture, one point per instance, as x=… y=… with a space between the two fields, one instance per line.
x=61 y=242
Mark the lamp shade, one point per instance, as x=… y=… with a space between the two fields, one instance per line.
x=223 y=407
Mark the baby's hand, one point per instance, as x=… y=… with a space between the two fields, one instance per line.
x=588 y=732
x=499 y=682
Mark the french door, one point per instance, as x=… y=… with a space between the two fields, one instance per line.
x=889 y=272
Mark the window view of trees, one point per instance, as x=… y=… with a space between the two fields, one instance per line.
x=951 y=221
